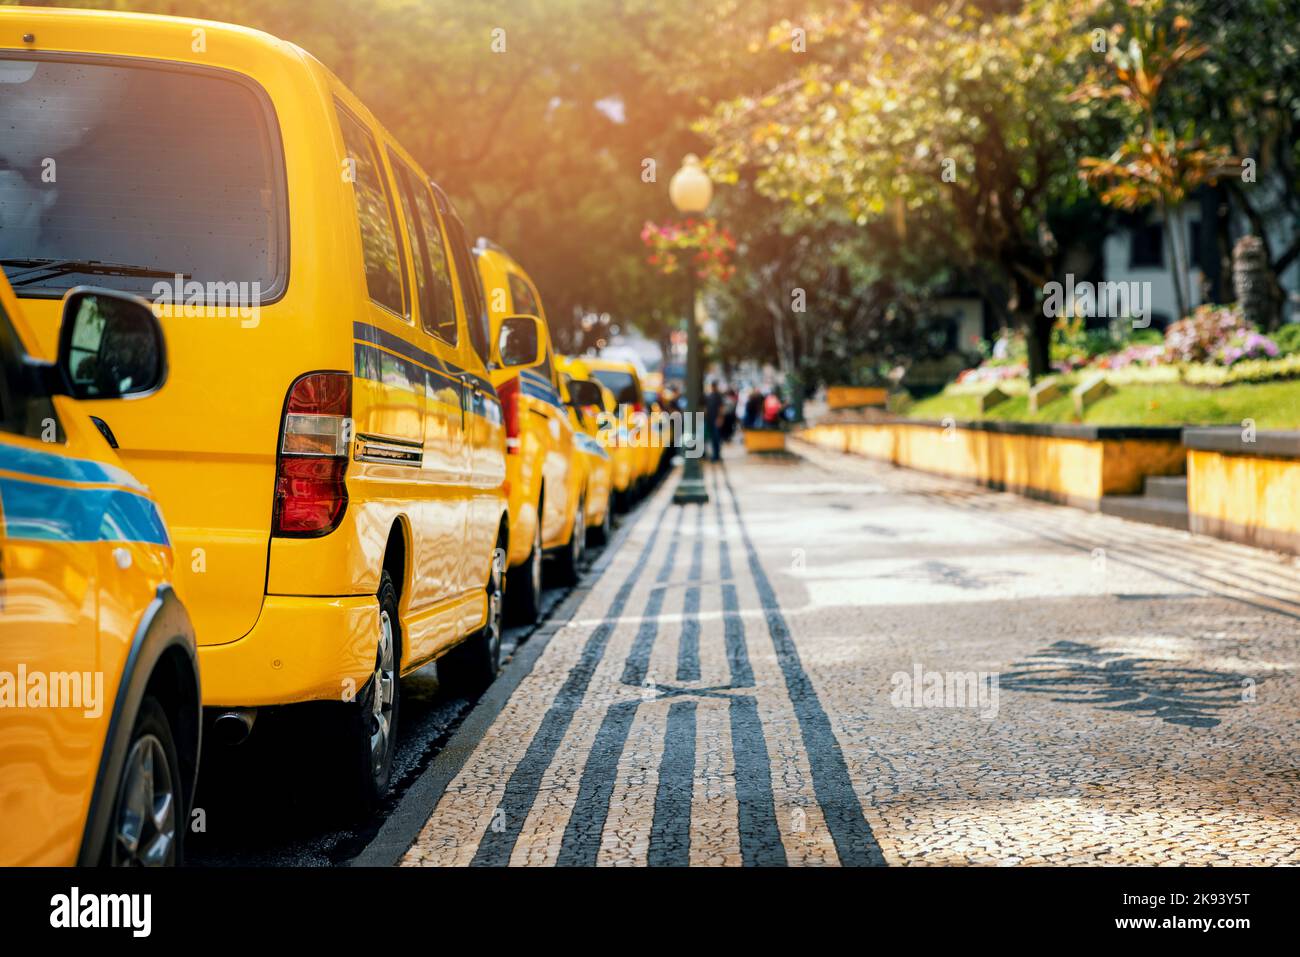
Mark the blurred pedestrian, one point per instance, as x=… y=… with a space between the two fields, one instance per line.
x=772 y=411
x=713 y=415
x=729 y=415
x=754 y=409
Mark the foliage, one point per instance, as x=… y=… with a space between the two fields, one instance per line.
x=1273 y=405
x=1288 y=339
x=1205 y=334
x=1155 y=164
x=707 y=248
x=949 y=126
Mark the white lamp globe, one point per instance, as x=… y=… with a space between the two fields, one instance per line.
x=690 y=189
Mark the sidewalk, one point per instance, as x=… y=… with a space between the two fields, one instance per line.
x=735 y=688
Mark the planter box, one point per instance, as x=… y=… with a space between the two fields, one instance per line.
x=1248 y=492
x=1071 y=464
x=855 y=397
x=764 y=440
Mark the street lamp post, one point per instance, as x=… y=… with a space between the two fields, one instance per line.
x=690 y=189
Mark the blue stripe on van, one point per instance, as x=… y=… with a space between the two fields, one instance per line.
x=544 y=393
x=57 y=513
x=364 y=332
x=373 y=363
x=55 y=466
x=590 y=445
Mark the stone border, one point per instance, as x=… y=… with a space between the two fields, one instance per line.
x=1054 y=430
x=1228 y=441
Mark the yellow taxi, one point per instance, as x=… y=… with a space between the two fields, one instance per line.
x=586 y=400
x=329 y=449
x=639 y=428
x=548 y=501
x=612 y=432
x=99 y=686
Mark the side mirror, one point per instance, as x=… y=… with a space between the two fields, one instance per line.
x=520 y=342
x=110 y=345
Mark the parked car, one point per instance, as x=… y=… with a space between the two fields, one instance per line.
x=612 y=433
x=585 y=400
x=548 y=502
x=99 y=683
x=621 y=378
x=329 y=448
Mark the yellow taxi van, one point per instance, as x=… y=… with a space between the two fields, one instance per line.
x=548 y=502
x=634 y=415
x=329 y=449
x=99 y=685
x=586 y=400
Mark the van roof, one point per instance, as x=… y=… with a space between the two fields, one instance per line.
x=146 y=23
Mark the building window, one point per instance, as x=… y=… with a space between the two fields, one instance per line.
x=1147 y=246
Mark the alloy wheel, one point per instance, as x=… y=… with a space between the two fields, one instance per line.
x=144 y=834
x=381 y=698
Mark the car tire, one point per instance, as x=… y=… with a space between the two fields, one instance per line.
x=569 y=559
x=369 y=732
x=600 y=535
x=524 y=582
x=149 y=817
x=473 y=664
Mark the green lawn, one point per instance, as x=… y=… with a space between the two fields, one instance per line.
x=1273 y=405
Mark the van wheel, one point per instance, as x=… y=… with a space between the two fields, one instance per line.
x=524 y=584
x=570 y=557
x=149 y=811
x=473 y=664
x=370 y=722
x=601 y=533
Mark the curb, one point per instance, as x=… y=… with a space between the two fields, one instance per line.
x=417 y=804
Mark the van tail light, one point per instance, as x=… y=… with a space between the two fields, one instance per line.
x=508 y=393
x=310 y=493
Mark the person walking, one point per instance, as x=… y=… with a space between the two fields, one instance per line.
x=713 y=415
x=753 y=409
x=729 y=420
x=772 y=411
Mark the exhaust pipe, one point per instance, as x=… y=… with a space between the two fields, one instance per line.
x=233 y=726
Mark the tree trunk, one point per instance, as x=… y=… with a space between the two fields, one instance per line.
x=1038 y=342
x=1174 y=229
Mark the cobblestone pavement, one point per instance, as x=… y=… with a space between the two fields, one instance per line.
x=838 y=662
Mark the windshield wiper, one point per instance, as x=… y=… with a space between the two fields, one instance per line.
x=93 y=267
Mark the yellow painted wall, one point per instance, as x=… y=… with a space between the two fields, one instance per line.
x=1077 y=471
x=1248 y=498
x=764 y=440
x=851 y=397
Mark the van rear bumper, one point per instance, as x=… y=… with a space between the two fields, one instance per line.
x=301 y=649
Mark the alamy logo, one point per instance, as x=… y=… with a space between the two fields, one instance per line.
x=211 y=300
x=637 y=430
x=53 y=689
x=133 y=911
x=946 y=689
x=1106 y=300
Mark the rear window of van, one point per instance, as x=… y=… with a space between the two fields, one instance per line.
x=167 y=170
x=622 y=384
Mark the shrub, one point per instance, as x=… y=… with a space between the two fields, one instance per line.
x=1288 y=339
x=1205 y=333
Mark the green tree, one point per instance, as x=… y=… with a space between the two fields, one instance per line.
x=951 y=123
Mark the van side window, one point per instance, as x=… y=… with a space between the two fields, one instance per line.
x=385 y=261
x=432 y=274
x=471 y=287
x=21 y=411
